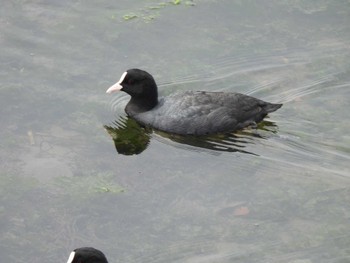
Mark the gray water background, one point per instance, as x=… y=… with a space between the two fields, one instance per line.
x=63 y=185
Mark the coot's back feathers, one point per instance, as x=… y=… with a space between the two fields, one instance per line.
x=189 y=112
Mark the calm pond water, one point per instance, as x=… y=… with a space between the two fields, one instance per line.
x=280 y=193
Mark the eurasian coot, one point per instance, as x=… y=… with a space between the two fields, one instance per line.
x=189 y=112
x=87 y=255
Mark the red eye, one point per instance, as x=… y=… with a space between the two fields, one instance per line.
x=130 y=81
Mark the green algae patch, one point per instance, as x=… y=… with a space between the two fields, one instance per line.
x=129 y=16
x=151 y=12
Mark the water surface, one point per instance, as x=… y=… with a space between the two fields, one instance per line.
x=276 y=194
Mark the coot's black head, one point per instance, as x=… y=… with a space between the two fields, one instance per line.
x=87 y=255
x=140 y=85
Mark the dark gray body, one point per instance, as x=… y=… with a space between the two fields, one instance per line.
x=201 y=113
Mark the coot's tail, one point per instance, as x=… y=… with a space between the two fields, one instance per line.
x=271 y=107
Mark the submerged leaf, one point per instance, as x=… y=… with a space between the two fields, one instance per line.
x=241 y=211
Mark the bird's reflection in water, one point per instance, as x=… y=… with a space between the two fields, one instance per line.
x=128 y=136
x=131 y=138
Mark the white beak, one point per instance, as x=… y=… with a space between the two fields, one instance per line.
x=117 y=86
x=71 y=257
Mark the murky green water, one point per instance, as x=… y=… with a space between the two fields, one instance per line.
x=277 y=194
